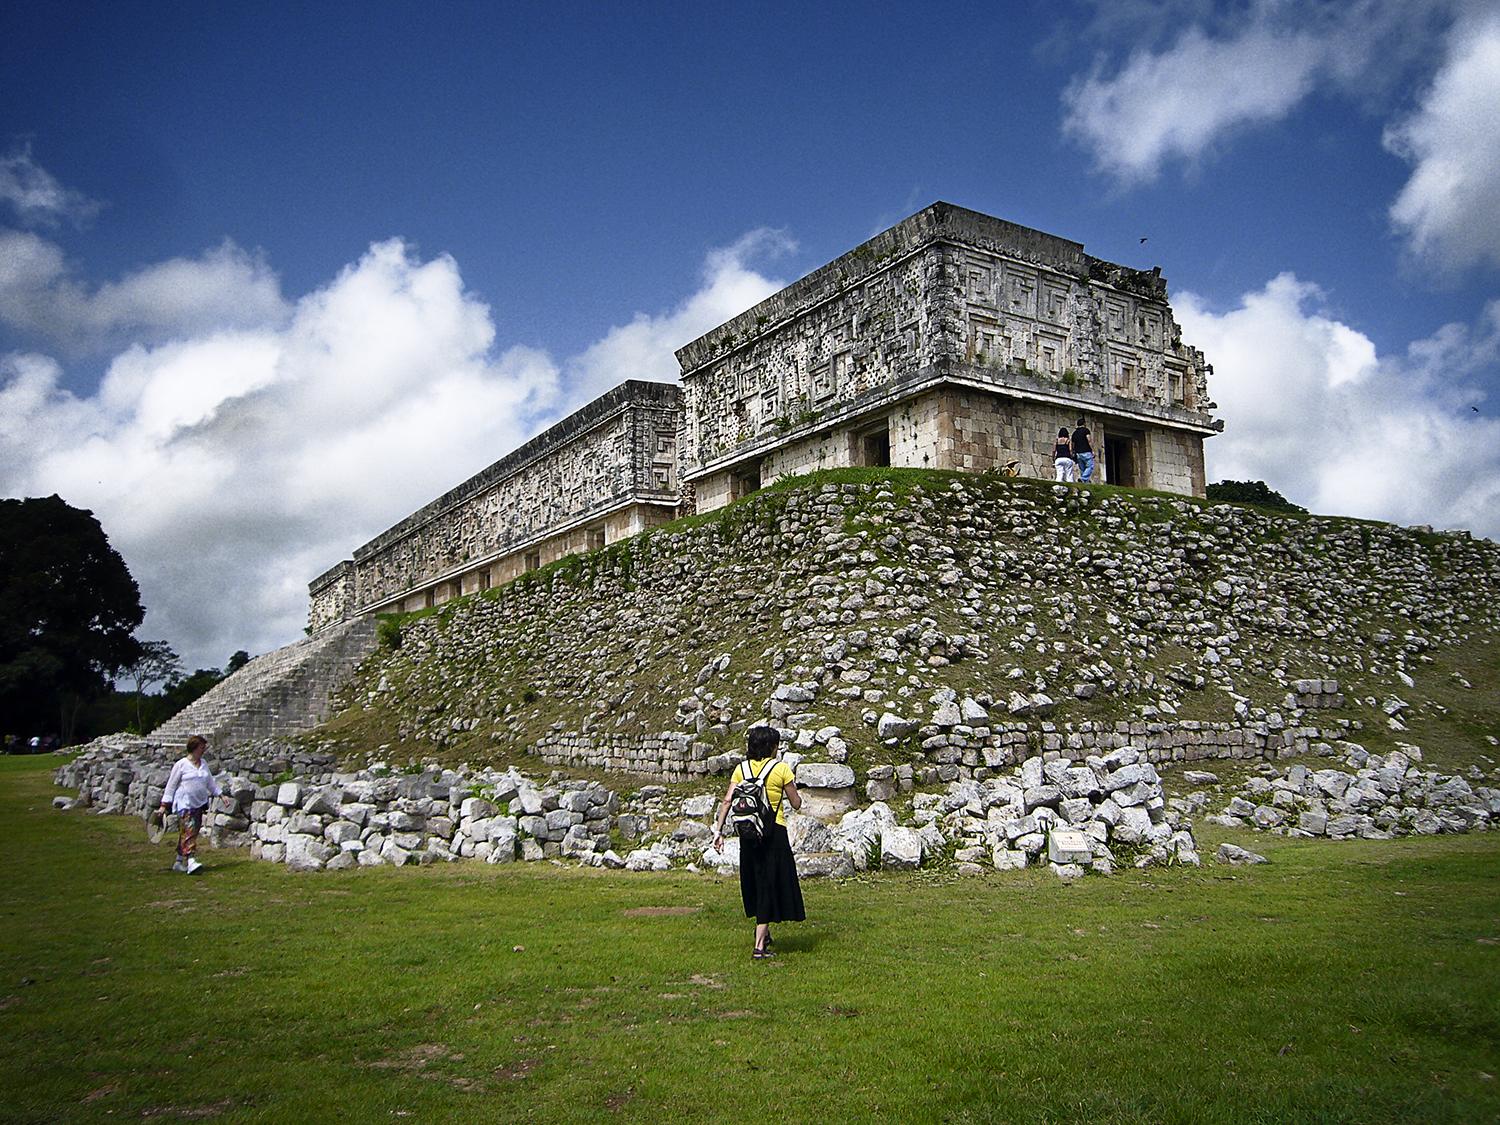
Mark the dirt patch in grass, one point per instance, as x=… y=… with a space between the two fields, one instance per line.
x=191 y=1112
x=166 y=904
x=517 y=1070
x=101 y=1092
x=616 y=1102
x=415 y=1058
x=660 y=911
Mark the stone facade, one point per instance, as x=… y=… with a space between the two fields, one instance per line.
x=952 y=340
x=600 y=475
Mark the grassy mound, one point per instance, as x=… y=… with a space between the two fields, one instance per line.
x=878 y=588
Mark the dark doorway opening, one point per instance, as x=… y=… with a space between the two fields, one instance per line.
x=871 y=446
x=1122 y=462
x=744 y=482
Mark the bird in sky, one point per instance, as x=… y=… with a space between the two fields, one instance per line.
x=1143 y=242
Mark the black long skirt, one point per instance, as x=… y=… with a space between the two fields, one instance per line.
x=768 y=879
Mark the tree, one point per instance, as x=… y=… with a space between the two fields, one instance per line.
x=236 y=662
x=1251 y=492
x=68 y=607
x=155 y=664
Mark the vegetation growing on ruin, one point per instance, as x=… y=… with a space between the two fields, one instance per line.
x=1351 y=981
x=615 y=640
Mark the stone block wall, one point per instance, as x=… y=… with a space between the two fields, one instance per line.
x=972 y=430
x=946 y=297
x=604 y=473
x=1176 y=463
x=331 y=596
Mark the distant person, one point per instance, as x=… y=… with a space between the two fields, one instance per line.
x=190 y=787
x=35 y=745
x=1083 y=452
x=768 y=871
x=1062 y=456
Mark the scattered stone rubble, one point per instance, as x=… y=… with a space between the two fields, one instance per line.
x=1375 y=798
x=1073 y=816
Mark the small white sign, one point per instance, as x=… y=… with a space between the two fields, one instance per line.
x=1068 y=845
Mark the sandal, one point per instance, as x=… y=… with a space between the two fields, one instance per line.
x=761 y=954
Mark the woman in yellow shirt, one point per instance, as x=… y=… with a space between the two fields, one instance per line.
x=768 y=871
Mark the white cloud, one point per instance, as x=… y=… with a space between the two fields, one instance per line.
x=231 y=467
x=1312 y=409
x=35 y=194
x=643 y=349
x=1450 y=208
x=1177 y=102
x=232 y=463
x=1235 y=67
x=183 y=297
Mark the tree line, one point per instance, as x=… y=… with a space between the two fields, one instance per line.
x=69 y=609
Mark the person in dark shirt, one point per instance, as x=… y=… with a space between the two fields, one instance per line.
x=1083 y=452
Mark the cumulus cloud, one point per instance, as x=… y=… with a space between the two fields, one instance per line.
x=1177 y=102
x=1312 y=409
x=1235 y=68
x=35 y=194
x=231 y=466
x=1449 y=207
x=233 y=462
x=643 y=349
x=40 y=296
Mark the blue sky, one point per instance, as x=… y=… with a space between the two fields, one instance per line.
x=273 y=275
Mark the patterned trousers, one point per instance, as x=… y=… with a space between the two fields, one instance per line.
x=189 y=824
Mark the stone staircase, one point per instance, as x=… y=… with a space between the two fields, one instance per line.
x=281 y=693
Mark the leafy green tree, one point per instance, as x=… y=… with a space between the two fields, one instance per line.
x=1251 y=492
x=236 y=662
x=155 y=664
x=68 y=607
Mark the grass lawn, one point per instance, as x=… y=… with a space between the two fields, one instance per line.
x=1343 y=982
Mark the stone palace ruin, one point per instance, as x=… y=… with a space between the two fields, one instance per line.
x=953 y=340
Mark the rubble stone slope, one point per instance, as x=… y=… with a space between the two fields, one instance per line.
x=298 y=808
x=953 y=625
x=1374 y=798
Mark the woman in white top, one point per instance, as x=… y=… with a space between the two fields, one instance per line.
x=190 y=787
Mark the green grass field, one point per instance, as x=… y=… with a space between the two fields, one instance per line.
x=1343 y=982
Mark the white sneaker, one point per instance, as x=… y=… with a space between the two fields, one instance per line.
x=178 y=865
x=193 y=867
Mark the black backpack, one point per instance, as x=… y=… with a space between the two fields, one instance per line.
x=748 y=805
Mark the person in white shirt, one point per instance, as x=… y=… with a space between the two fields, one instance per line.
x=190 y=787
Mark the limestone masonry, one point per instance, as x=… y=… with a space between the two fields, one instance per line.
x=1001 y=673
x=951 y=341
x=602 y=474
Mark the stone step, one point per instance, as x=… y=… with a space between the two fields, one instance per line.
x=281 y=692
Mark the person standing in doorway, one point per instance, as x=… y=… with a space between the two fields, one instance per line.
x=190 y=787
x=1083 y=452
x=1062 y=456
